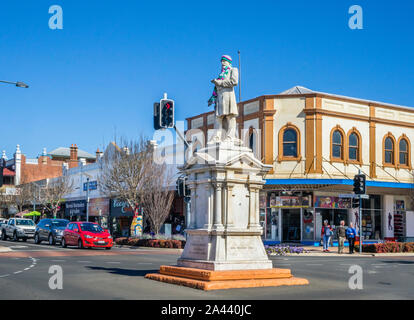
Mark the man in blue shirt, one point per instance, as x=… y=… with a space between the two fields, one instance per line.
x=350 y=235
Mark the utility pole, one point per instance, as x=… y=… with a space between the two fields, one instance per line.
x=240 y=71
x=87 y=199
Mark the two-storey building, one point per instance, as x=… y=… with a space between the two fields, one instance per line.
x=317 y=142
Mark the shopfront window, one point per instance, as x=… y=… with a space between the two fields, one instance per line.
x=281 y=215
x=308 y=228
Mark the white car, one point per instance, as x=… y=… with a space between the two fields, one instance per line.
x=18 y=229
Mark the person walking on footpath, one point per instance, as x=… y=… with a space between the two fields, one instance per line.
x=350 y=235
x=341 y=234
x=326 y=235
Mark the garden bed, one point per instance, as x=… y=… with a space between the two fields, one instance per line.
x=388 y=247
x=152 y=243
x=282 y=250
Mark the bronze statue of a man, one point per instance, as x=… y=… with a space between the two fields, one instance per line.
x=224 y=99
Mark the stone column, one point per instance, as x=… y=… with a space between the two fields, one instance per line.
x=218 y=224
x=254 y=208
x=229 y=206
x=193 y=214
x=251 y=207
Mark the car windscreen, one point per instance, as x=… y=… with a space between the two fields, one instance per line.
x=59 y=224
x=24 y=223
x=91 y=227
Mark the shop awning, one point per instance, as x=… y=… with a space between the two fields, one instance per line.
x=380 y=187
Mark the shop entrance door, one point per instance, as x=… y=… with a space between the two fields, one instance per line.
x=291 y=225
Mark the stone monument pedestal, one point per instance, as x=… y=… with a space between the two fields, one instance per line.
x=224 y=248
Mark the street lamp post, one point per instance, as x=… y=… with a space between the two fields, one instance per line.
x=18 y=84
x=87 y=199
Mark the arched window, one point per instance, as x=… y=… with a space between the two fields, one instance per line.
x=354 y=147
x=289 y=143
x=251 y=141
x=337 y=145
x=389 y=151
x=404 y=152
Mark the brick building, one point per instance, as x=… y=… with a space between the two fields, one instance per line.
x=21 y=169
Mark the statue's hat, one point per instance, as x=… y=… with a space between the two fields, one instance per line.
x=226 y=57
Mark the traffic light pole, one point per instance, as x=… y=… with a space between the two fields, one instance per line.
x=182 y=137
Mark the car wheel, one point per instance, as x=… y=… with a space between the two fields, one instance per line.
x=108 y=248
x=15 y=238
x=3 y=236
x=63 y=243
x=24 y=239
x=51 y=240
x=37 y=239
x=80 y=244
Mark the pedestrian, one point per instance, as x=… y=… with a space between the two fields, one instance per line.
x=350 y=235
x=326 y=235
x=341 y=235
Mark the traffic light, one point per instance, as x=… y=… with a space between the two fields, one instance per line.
x=166 y=113
x=355 y=203
x=360 y=184
x=182 y=188
x=157 y=116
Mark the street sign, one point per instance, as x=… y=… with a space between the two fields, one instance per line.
x=353 y=196
x=348 y=195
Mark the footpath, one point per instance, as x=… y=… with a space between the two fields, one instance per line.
x=312 y=251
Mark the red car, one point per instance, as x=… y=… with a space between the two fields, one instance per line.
x=86 y=235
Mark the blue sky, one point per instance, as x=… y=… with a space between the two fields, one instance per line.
x=100 y=75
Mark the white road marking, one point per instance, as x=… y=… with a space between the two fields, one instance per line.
x=17 y=272
x=4 y=275
x=18 y=247
x=114 y=262
x=84 y=261
x=58 y=260
x=144 y=263
x=314 y=264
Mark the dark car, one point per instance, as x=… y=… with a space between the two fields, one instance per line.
x=50 y=230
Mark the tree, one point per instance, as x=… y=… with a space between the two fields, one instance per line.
x=158 y=196
x=23 y=195
x=131 y=175
x=54 y=191
x=123 y=172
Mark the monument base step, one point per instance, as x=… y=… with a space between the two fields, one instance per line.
x=218 y=280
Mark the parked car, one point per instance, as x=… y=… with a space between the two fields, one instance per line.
x=3 y=221
x=86 y=235
x=50 y=230
x=17 y=228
